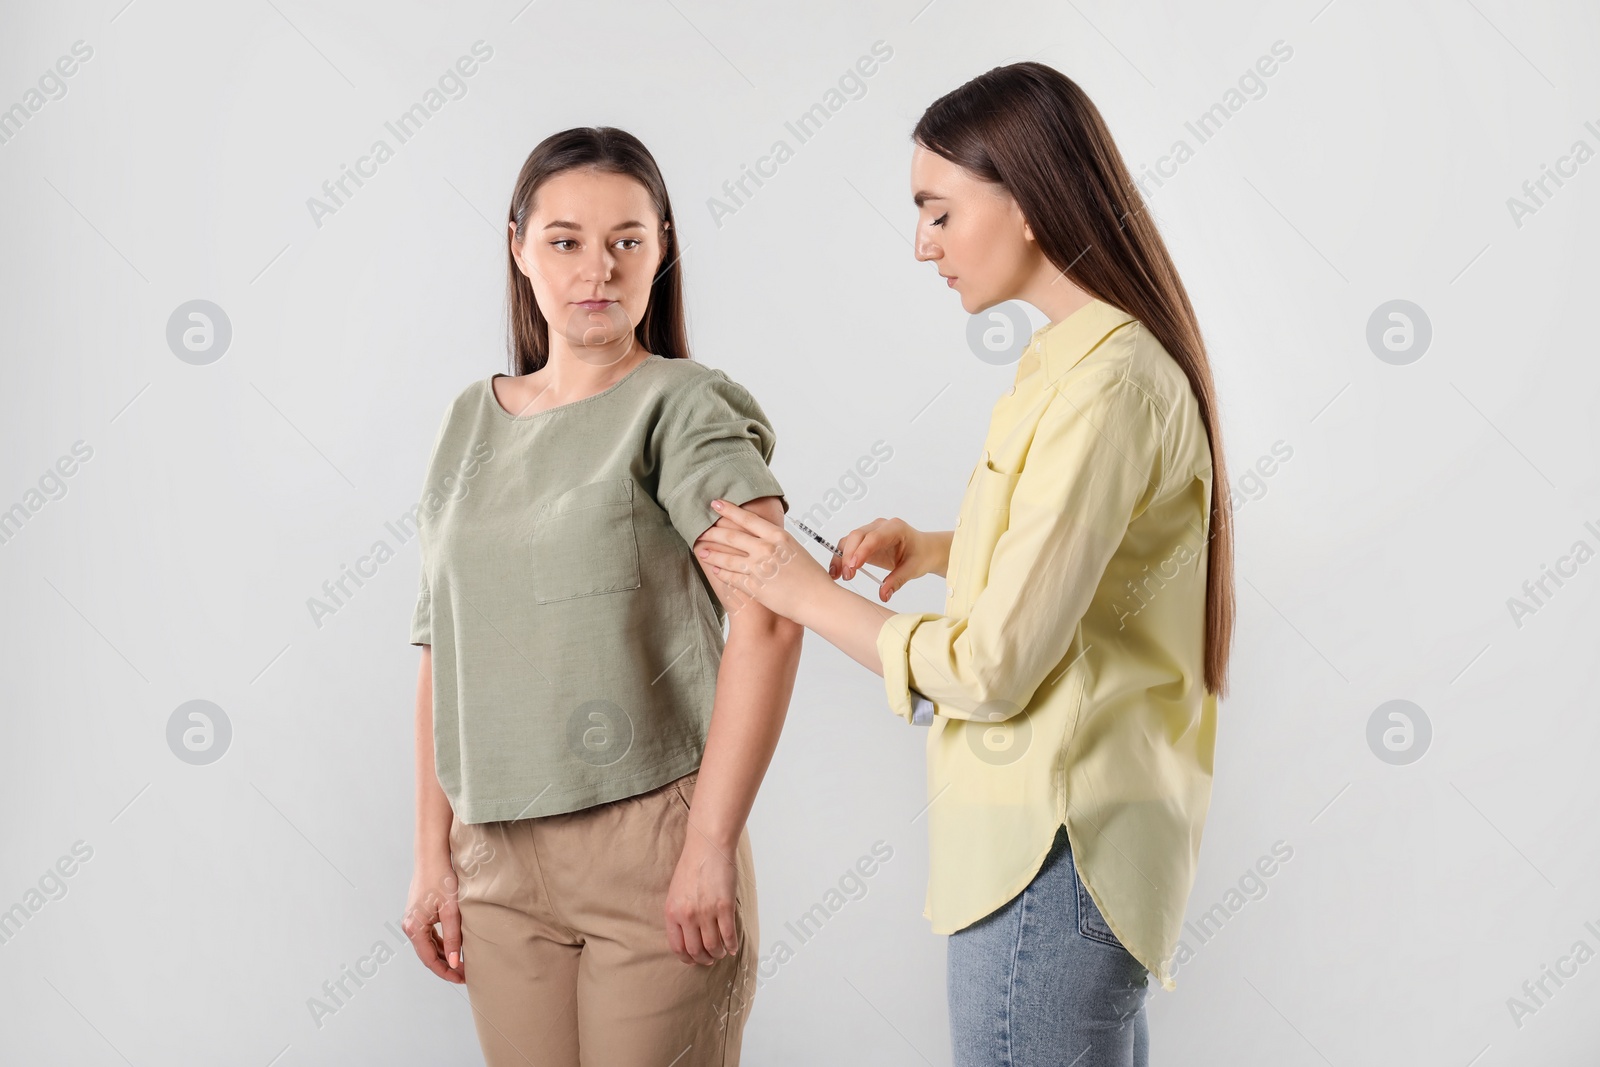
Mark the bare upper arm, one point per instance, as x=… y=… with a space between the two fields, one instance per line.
x=743 y=609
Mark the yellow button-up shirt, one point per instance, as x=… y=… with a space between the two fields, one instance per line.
x=1066 y=671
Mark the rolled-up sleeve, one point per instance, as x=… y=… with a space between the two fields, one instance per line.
x=422 y=613
x=715 y=442
x=1094 y=464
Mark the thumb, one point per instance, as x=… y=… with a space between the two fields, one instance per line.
x=450 y=920
x=891 y=583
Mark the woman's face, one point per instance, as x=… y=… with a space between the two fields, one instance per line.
x=972 y=230
x=590 y=249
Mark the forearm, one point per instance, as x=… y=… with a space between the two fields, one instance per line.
x=851 y=622
x=433 y=807
x=846 y=620
x=754 y=686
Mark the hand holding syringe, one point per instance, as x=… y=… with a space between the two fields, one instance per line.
x=825 y=543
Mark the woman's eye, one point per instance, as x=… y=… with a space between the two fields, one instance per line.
x=940 y=220
x=556 y=244
x=630 y=242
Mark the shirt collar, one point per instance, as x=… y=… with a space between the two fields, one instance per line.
x=1059 y=346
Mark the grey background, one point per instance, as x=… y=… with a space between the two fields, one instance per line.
x=1374 y=565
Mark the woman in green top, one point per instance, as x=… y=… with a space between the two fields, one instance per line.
x=594 y=888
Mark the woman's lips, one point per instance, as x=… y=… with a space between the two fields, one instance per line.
x=595 y=305
x=951 y=282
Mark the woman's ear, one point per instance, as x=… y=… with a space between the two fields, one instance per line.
x=519 y=253
x=666 y=237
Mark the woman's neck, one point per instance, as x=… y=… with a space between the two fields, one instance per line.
x=584 y=369
x=1049 y=290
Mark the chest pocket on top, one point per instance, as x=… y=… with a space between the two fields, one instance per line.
x=986 y=514
x=584 y=544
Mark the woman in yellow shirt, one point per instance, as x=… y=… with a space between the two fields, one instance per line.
x=1070 y=684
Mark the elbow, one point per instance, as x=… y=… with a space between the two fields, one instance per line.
x=785 y=632
x=756 y=623
x=995 y=697
x=769 y=638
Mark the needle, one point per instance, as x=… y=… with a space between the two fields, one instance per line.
x=808 y=531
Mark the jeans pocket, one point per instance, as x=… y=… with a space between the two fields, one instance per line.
x=1091 y=923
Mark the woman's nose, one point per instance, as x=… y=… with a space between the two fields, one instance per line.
x=925 y=249
x=597 y=266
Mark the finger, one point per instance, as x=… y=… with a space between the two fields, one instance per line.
x=427 y=949
x=852 y=540
x=692 y=944
x=750 y=522
x=864 y=550
x=454 y=974
x=450 y=919
x=734 y=537
x=722 y=531
x=848 y=543
x=749 y=557
x=675 y=941
x=892 y=582
x=730 y=932
x=716 y=543
x=711 y=937
x=736 y=515
x=724 y=563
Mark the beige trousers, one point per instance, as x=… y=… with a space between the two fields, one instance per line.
x=564 y=941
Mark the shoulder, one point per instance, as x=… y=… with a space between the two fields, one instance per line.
x=1132 y=371
x=1132 y=378
x=681 y=376
x=453 y=421
x=1131 y=361
x=471 y=393
x=465 y=400
x=1112 y=388
x=695 y=387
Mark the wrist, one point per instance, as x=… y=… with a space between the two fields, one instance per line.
x=705 y=838
x=934 y=547
x=432 y=851
x=812 y=599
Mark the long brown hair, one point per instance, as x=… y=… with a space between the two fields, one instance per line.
x=662 y=330
x=1031 y=129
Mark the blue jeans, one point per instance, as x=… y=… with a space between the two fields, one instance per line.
x=1043 y=982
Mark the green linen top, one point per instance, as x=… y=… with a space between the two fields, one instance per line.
x=575 y=638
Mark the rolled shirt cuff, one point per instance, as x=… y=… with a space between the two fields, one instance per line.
x=894 y=649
